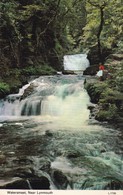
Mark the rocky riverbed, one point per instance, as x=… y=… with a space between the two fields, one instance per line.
x=38 y=152
x=31 y=158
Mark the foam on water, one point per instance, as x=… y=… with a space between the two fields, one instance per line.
x=62 y=100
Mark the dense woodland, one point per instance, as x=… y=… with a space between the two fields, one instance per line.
x=42 y=147
x=35 y=35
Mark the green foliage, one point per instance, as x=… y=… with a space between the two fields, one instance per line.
x=110 y=114
x=95 y=90
x=38 y=70
x=4 y=89
x=119 y=82
x=33 y=29
x=40 y=28
x=112 y=28
x=10 y=18
x=108 y=92
x=15 y=72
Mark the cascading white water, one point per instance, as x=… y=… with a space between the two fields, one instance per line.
x=62 y=98
x=9 y=106
x=78 y=62
x=68 y=105
x=62 y=101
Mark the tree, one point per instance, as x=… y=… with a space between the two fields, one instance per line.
x=10 y=35
x=101 y=7
x=104 y=24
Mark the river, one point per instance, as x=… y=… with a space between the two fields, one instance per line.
x=49 y=140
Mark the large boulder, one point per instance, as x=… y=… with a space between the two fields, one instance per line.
x=31 y=183
x=15 y=183
x=92 y=70
x=41 y=183
x=60 y=179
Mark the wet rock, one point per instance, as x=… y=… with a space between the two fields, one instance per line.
x=28 y=91
x=2 y=158
x=24 y=172
x=45 y=164
x=18 y=184
x=40 y=183
x=93 y=110
x=73 y=154
x=23 y=161
x=114 y=185
x=102 y=150
x=60 y=179
x=68 y=72
x=49 y=133
x=92 y=70
x=91 y=107
x=31 y=183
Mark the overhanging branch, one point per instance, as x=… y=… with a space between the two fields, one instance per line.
x=50 y=21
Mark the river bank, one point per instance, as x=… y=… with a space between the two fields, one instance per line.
x=108 y=94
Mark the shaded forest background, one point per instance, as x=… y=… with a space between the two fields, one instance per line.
x=36 y=34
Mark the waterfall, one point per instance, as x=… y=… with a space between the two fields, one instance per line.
x=60 y=98
x=78 y=62
x=68 y=104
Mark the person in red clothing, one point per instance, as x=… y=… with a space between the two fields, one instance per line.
x=100 y=73
x=101 y=66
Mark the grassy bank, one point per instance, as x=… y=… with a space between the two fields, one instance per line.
x=108 y=94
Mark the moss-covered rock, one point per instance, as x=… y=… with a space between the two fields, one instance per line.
x=4 y=89
x=109 y=98
x=95 y=90
x=109 y=113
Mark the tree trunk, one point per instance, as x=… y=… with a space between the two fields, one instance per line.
x=99 y=33
x=101 y=8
